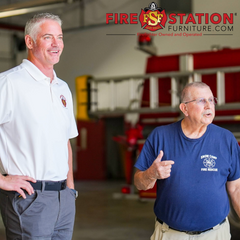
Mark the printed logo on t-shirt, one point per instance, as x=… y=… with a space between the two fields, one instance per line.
x=209 y=163
x=64 y=101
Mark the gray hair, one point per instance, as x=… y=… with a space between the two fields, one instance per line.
x=185 y=95
x=32 y=25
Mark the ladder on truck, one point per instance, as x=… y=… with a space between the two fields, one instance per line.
x=113 y=91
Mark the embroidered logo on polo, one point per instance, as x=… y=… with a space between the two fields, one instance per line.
x=209 y=163
x=64 y=101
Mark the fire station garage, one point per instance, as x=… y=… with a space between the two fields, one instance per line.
x=126 y=63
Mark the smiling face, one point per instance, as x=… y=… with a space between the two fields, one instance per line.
x=47 y=49
x=199 y=114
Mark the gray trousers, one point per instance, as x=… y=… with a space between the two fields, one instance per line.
x=45 y=215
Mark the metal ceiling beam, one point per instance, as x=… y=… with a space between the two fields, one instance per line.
x=27 y=4
x=30 y=6
x=11 y=27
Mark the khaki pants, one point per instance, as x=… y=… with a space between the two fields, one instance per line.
x=163 y=232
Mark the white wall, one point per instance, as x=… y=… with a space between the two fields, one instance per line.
x=6 y=51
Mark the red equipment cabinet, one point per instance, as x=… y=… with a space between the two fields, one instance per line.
x=90 y=154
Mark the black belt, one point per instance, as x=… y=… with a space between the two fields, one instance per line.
x=191 y=232
x=49 y=185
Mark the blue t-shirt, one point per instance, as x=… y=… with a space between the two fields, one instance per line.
x=194 y=197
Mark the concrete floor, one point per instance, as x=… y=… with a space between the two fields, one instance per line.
x=103 y=214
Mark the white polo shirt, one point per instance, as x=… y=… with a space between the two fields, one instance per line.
x=36 y=122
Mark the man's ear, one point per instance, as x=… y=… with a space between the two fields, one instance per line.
x=183 y=108
x=29 y=42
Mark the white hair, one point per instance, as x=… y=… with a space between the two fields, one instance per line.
x=32 y=25
x=185 y=92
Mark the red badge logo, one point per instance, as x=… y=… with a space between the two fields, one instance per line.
x=153 y=18
x=64 y=101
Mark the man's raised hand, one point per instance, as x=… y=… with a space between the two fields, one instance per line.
x=161 y=169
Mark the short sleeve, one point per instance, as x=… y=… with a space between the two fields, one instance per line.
x=73 y=132
x=235 y=159
x=147 y=156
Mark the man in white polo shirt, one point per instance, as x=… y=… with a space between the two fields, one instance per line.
x=37 y=196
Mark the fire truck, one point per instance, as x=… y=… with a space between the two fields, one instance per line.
x=154 y=97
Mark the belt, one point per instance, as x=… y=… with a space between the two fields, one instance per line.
x=49 y=185
x=192 y=232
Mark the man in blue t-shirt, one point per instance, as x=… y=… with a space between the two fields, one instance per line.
x=196 y=165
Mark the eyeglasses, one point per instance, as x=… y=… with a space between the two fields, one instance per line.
x=203 y=101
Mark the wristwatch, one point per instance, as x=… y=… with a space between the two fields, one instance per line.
x=75 y=193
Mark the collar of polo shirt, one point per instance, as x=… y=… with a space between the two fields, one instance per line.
x=37 y=74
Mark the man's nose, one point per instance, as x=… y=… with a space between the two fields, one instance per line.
x=207 y=103
x=55 y=42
